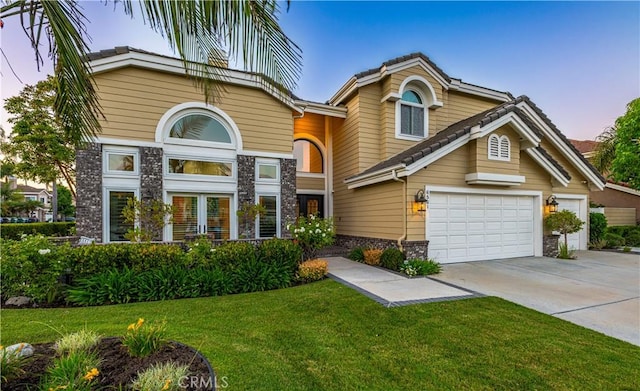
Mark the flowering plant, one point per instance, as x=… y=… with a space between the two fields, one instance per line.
x=143 y=339
x=312 y=233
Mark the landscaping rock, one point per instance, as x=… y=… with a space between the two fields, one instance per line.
x=18 y=301
x=20 y=350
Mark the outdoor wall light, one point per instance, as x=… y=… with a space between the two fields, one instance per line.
x=420 y=202
x=552 y=204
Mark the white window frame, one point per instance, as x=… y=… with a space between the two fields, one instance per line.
x=423 y=106
x=267 y=162
x=278 y=213
x=106 y=208
x=199 y=177
x=501 y=143
x=120 y=150
x=323 y=153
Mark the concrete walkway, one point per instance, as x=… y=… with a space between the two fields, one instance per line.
x=391 y=289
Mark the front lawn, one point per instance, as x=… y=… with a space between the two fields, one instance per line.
x=327 y=336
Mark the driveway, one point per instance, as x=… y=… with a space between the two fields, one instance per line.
x=599 y=290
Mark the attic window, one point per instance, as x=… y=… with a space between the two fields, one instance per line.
x=499 y=148
x=200 y=127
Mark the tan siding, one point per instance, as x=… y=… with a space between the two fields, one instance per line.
x=458 y=106
x=304 y=183
x=135 y=99
x=312 y=124
x=484 y=164
x=576 y=185
x=398 y=77
x=369 y=126
x=620 y=216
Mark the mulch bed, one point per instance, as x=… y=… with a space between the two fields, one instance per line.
x=117 y=367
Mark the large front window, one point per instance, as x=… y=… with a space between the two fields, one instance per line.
x=198 y=214
x=199 y=167
x=200 y=127
x=412 y=114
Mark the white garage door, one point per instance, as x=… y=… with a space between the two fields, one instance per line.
x=575 y=240
x=470 y=227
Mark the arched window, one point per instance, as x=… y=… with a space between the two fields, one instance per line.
x=499 y=147
x=200 y=127
x=308 y=156
x=412 y=114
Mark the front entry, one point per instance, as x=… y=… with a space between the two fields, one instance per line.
x=308 y=204
x=201 y=214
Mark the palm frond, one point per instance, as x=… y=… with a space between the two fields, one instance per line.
x=605 y=152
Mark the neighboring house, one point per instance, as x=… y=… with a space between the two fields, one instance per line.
x=31 y=193
x=617 y=198
x=482 y=163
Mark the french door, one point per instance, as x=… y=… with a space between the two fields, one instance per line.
x=201 y=214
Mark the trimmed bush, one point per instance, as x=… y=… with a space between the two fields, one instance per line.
x=630 y=233
x=313 y=270
x=372 y=256
x=231 y=255
x=420 y=267
x=16 y=230
x=613 y=240
x=391 y=258
x=357 y=254
x=281 y=252
x=597 y=226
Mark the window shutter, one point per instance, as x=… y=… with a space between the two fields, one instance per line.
x=504 y=147
x=493 y=147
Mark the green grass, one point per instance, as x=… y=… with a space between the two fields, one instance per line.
x=327 y=336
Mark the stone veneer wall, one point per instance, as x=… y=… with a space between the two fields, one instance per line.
x=416 y=249
x=411 y=249
x=89 y=191
x=151 y=175
x=246 y=188
x=550 y=245
x=288 y=197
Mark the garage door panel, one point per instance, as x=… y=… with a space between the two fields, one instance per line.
x=468 y=227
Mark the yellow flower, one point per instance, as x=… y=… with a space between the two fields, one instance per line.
x=91 y=374
x=131 y=326
x=1 y=347
x=166 y=385
x=140 y=322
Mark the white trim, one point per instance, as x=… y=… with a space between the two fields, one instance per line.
x=176 y=66
x=322 y=109
x=303 y=174
x=201 y=213
x=173 y=114
x=310 y=192
x=431 y=101
x=485 y=178
x=267 y=162
x=537 y=202
x=432 y=157
x=125 y=142
x=623 y=189
x=198 y=177
x=272 y=155
x=106 y=206
x=198 y=186
x=459 y=85
x=512 y=119
x=344 y=92
x=120 y=150
x=584 y=211
x=278 y=213
x=323 y=151
x=562 y=146
x=548 y=166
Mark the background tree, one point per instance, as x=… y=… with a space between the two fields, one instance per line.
x=40 y=147
x=65 y=202
x=200 y=31
x=566 y=222
x=618 y=155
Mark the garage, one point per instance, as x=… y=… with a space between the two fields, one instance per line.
x=465 y=227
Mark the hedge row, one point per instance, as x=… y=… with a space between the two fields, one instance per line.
x=15 y=230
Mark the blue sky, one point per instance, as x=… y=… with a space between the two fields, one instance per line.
x=578 y=61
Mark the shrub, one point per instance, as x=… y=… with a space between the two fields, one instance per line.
x=630 y=233
x=420 y=267
x=566 y=222
x=281 y=252
x=312 y=270
x=357 y=254
x=613 y=240
x=255 y=275
x=153 y=256
x=33 y=267
x=163 y=376
x=231 y=255
x=75 y=371
x=109 y=287
x=633 y=238
x=199 y=252
x=16 y=230
x=142 y=339
x=312 y=233
x=599 y=245
x=597 y=226
x=82 y=340
x=150 y=215
x=11 y=363
x=391 y=258
x=564 y=252
x=372 y=256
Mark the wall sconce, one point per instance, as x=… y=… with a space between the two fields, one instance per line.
x=420 y=202
x=552 y=204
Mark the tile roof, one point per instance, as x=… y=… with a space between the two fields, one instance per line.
x=461 y=128
x=398 y=60
x=585 y=146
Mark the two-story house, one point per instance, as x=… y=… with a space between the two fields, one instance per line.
x=401 y=155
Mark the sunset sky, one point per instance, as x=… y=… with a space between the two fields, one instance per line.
x=578 y=61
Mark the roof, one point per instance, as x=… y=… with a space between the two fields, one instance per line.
x=459 y=129
x=401 y=59
x=585 y=146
